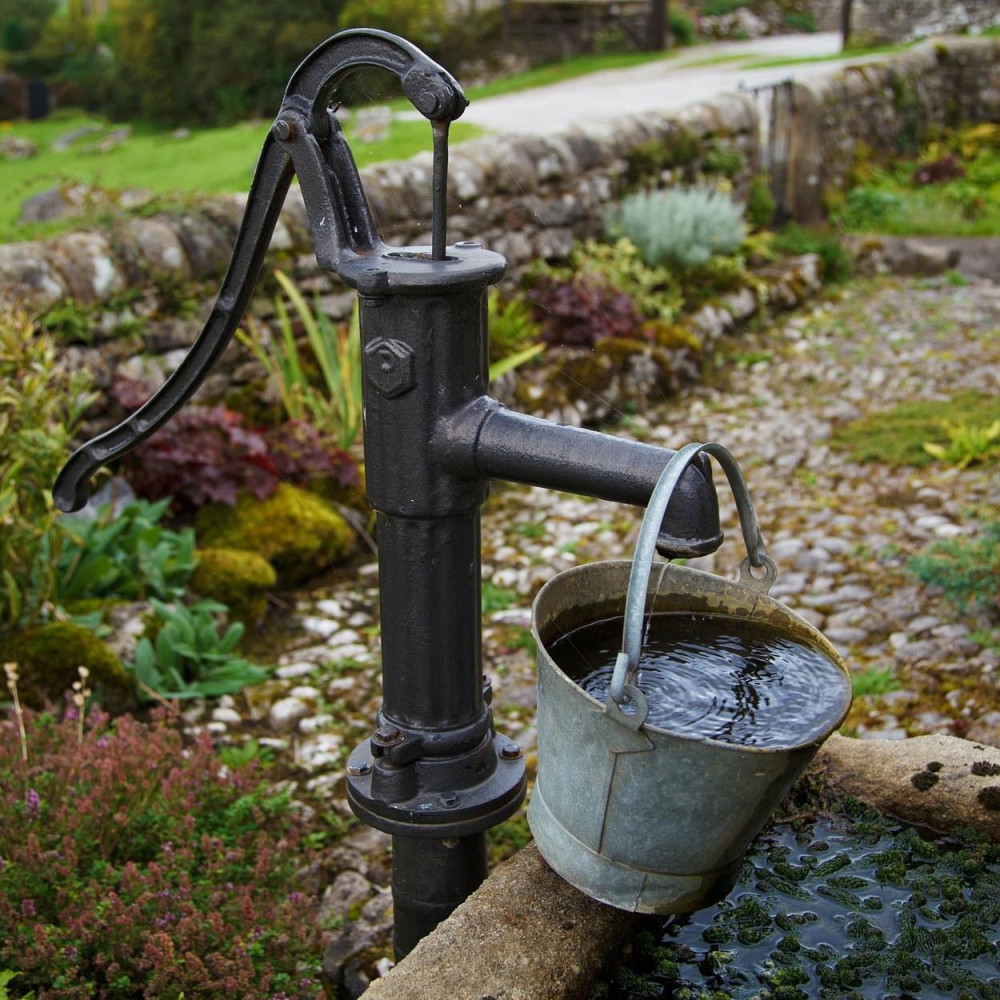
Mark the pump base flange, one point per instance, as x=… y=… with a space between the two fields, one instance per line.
x=443 y=802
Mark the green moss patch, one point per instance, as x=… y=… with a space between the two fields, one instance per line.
x=897 y=436
x=297 y=532
x=236 y=577
x=48 y=657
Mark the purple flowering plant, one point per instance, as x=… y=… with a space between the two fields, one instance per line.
x=134 y=865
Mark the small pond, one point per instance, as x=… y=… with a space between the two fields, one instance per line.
x=848 y=905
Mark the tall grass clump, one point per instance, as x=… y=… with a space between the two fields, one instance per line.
x=678 y=228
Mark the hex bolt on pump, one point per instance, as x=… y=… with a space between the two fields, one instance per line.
x=434 y=774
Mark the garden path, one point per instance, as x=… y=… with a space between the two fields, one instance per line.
x=696 y=74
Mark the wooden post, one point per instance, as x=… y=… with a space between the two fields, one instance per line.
x=656 y=40
x=845 y=22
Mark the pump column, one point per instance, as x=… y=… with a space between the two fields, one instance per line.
x=434 y=774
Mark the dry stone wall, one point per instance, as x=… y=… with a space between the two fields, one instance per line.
x=901 y=20
x=526 y=197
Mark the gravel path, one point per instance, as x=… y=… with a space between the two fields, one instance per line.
x=841 y=533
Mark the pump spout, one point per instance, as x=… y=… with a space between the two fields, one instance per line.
x=486 y=440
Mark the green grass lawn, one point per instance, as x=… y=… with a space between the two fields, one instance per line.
x=208 y=161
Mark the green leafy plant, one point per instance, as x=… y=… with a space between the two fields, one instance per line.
x=40 y=408
x=655 y=291
x=127 y=555
x=188 y=658
x=760 y=203
x=795 y=240
x=513 y=326
x=966 y=570
x=872 y=682
x=337 y=354
x=722 y=158
x=967 y=444
x=136 y=865
x=5 y=977
x=681 y=228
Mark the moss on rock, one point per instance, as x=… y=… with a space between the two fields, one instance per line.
x=48 y=657
x=238 y=578
x=297 y=532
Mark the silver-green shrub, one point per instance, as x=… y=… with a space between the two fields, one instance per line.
x=679 y=228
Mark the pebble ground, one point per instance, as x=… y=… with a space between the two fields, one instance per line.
x=841 y=533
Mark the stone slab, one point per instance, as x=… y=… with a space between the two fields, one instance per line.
x=524 y=935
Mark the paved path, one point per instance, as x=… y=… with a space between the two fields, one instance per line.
x=667 y=83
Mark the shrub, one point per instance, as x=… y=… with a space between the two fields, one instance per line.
x=868 y=207
x=795 y=240
x=40 y=408
x=580 y=311
x=680 y=228
x=721 y=158
x=682 y=28
x=207 y=455
x=760 y=203
x=135 y=866
x=655 y=291
x=203 y=454
x=967 y=570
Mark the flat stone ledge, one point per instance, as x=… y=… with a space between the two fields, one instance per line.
x=940 y=782
x=525 y=934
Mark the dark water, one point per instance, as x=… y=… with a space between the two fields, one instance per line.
x=715 y=676
x=852 y=907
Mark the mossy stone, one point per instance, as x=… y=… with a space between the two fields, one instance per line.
x=297 y=532
x=48 y=657
x=238 y=578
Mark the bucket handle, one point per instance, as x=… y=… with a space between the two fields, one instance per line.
x=623 y=689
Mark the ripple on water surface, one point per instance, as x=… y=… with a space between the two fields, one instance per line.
x=715 y=676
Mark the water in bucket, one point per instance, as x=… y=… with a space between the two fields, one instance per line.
x=713 y=676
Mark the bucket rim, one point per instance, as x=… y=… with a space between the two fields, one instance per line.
x=824 y=646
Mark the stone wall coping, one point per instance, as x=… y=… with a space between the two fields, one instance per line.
x=525 y=934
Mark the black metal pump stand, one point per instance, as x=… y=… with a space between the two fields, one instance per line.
x=434 y=773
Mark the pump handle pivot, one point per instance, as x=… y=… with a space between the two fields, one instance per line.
x=306 y=139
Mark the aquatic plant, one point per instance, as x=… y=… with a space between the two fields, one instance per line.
x=855 y=906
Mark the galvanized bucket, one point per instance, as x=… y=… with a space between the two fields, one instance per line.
x=629 y=813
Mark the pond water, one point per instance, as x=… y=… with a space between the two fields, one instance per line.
x=851 y=907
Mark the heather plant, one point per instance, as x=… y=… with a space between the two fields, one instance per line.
x=40 y=407
x=679 y=228
x=134 y=866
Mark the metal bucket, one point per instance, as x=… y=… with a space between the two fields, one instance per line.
x=629 y=813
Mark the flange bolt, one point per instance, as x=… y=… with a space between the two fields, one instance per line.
x=283 y=130
x=359 y=770
x=510 y=752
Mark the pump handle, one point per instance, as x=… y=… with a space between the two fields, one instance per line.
x=306 y=139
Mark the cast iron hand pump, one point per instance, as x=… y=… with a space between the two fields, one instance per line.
x=434 y=774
